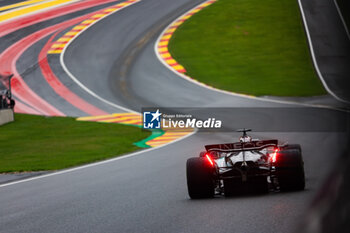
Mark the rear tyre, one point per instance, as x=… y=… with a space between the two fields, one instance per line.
x=293 y=146
x=200 y=178
x=290 y=170
x=202 y=154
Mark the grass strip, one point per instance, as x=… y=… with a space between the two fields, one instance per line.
x=36 y=143
x=252 y=47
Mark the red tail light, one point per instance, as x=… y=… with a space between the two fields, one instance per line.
x=274 y=156
x=209 y=159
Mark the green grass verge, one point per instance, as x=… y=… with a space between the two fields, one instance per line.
x=253 y=47
x=35 y=143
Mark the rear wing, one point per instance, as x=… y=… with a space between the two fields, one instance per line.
x=238 y=146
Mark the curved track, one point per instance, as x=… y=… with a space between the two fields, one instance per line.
x=145 y=193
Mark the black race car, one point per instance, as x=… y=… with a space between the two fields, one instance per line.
x=247 y=165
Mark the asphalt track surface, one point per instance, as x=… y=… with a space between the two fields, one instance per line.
x=331 y=44
x=147 y=192
x=8 y=2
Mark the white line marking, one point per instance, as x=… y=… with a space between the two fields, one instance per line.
x=77 y=81
x=35 y=11
x=314 y=57
x=117 y=106
x=97 y=163
x=342 y=18
x=234 y=93
x=21 y=7
x=108 y=102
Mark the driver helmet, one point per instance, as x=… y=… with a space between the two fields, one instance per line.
x=245 y=138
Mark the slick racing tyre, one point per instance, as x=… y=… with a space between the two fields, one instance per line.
x=293 y=146
x=200 y=176
x=290 y=169
x=202 y=154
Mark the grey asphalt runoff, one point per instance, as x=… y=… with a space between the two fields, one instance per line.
x=27 y=65
x=10 y=177
x=331 y=44
x=8 y=2
x=147 y=192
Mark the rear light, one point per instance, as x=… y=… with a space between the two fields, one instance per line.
x=274 y=156
x=210 y=160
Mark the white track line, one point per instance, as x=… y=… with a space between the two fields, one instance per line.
x=314 y=57
x=95 y=164
x=77 y=81
x=105 y=101
x=35 y=11
x=238 y=94
x=21 y=7
x=126 y=109
x=342 y=18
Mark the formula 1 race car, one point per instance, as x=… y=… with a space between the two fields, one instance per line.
x=247 y=165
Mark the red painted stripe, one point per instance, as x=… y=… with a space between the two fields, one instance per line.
x=134 y=123
x=61 y=43
x=174 y=26
x=57 y=49
x=68 y=36
x=8 y=65
x=121 y=121
x=9 y=57
x=109 y=118
x=164 y=139
x=19 y=88
x=75 y=30
x=60 y=88
x=25 y=21
x=22 y=108
x=101 y=119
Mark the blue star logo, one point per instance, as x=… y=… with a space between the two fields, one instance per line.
x=151 y=120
